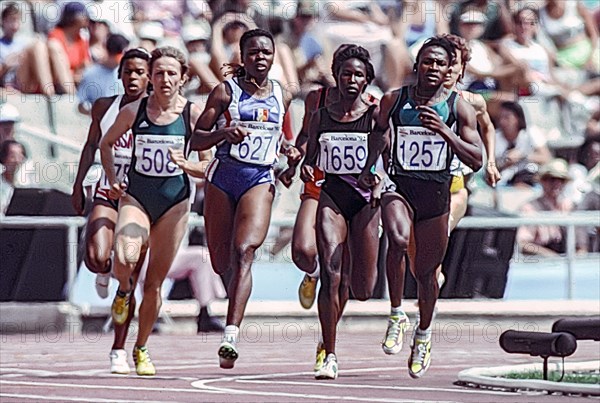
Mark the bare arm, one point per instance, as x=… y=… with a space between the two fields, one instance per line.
x=123 y=123
x=310 y=160
x=466 y=144
x=488 y=136
x=378 y=140
x=88 y=153
x=204 y=138
x=590 y=27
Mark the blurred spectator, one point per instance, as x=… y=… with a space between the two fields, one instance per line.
x=23 y=61
x=99 y=32
x=170 y=13
x=9 y=116
x=284 y=67
x=193 y=263
x=239 y=15
x=592 y=130
x=547 y=240
x=364 y=23
x=421 y=19
x=68 y=48
x=150 y=33
x=196 y=36
x=588 y=156
x=588 y=238
x=101 y=79
x=516 y=143
x=497 y=21
x=571 y=29
x=307 y=48
x=12 y=156
x=487 y=72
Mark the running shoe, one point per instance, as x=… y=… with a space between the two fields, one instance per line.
x=227 y=353
x=102 y=282
x=143 y=362
x=394 y=335
x=120 y=307
x=118 y=362
x=329 y=370
x=321 y=353
x=307 y=291
x=420 y=356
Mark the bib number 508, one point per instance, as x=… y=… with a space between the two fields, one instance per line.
x=157 y=160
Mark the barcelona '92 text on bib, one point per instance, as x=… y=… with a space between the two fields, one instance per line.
x=420 y=149
x=260 y=146
x=343 y=153
x=122 y=160
x=152 y=154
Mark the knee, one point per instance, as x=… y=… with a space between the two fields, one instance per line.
x=152 y=289
x=244 y=254
x=362 y=293
x=97 y=259
x=303 y=255
x=398 y=242
x=127 y=252
x=425 y=277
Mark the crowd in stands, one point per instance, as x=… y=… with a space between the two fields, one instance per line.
x=528 y=57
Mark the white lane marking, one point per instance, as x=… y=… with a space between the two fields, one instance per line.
x=202 y=385
x=87 y=386
x=77 y=399
x=354 y=386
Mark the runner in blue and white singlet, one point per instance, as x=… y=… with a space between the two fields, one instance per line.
x=243 y=118
x=237 y=168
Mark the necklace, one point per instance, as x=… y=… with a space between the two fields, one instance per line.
x=253 y=82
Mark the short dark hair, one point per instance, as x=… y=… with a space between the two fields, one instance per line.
x=252 y=34
x=438 y=41
x=137 y=53
x=518 y=111
x=116 y=44
x=5 y=146
x=353 y=52
x=10 y=9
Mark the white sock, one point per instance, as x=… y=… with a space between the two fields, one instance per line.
x=423 y=334
x=397 y=311
x=316 y=273
x=232 y=332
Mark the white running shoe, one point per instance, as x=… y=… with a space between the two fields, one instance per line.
x=329 y=370
x=118 y=362
x=227 y=353
x=102 y=282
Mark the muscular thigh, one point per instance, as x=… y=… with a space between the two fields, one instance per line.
x=253 y=215
x=100 y=229
x=132 y=230
x=304 y=228
x=219 y=212
x=332 y=229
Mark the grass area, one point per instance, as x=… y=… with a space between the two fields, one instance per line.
x=554 y=376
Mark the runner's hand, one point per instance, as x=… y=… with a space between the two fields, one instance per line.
x=287 y=176
x=78 y=199
x=235 y=134
x=117 y=190
x=307 y=173
x=178 y=158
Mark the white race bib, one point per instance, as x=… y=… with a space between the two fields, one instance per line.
x=152 y=154
x=420 y=149
x=343 y=153
x=261 y=146
x=122 y=159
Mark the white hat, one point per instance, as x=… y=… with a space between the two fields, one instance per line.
x=473 y=17
x=152 y=30
x=8 y=113
x=198 y=31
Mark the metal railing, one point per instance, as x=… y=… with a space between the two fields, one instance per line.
x=570 y=221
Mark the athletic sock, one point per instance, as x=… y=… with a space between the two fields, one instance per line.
x=397 y=311
x=316 y=273
x=232 y=332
